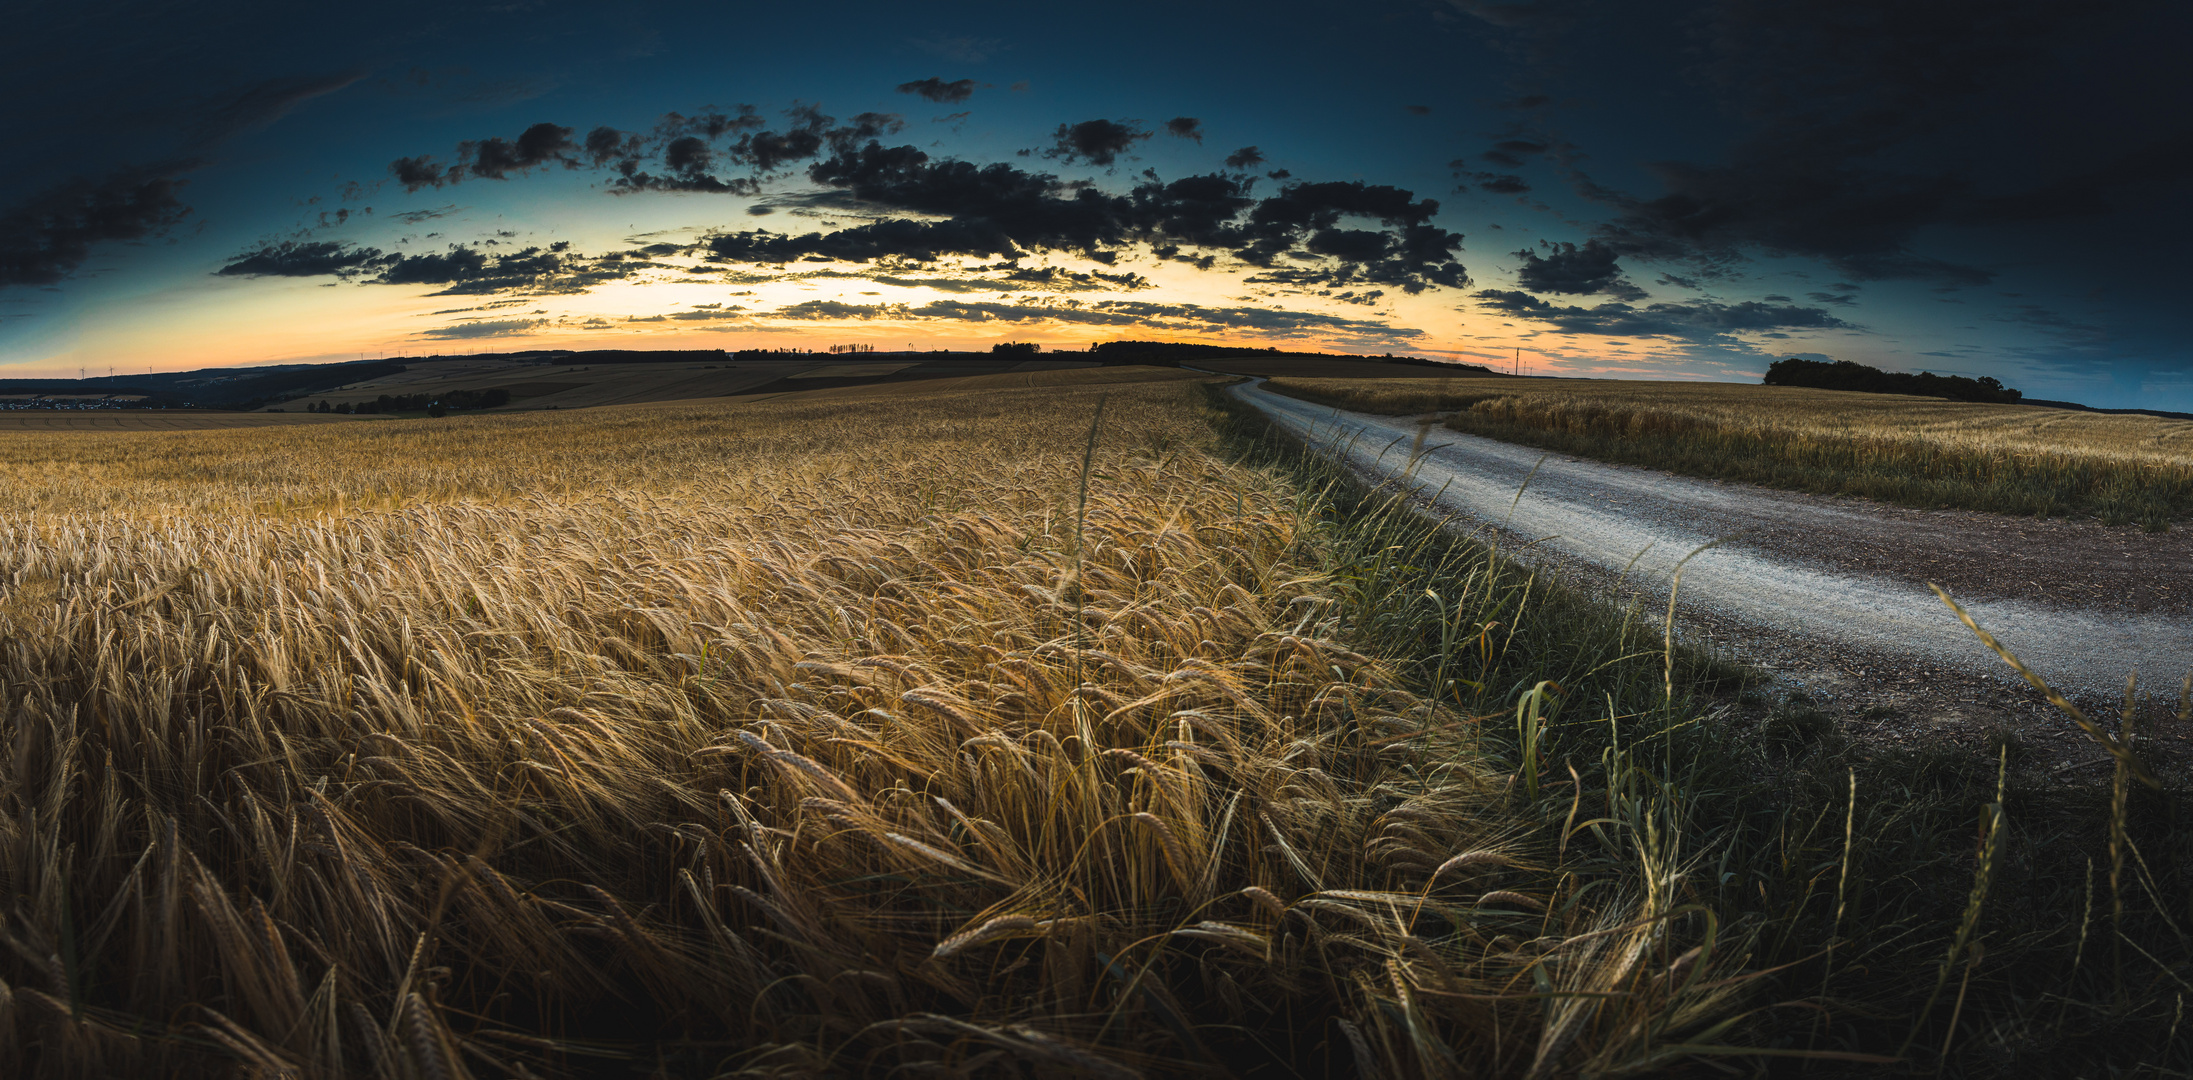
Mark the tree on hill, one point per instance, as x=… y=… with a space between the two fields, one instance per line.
x=1847 y=375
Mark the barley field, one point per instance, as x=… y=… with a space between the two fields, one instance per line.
x=1047 y=724
x=2020 y=459
x=835 y=735
x=117 y=420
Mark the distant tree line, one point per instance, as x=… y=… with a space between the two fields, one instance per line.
x=586 y=357
x=392 y=403
x=1173 y=353
x=1015 y=348
x=1847 y=375
x=1177 y=350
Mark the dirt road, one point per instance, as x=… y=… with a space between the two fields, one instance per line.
x=1809 y=585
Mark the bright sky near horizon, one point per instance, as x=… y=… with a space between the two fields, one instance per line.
x=1665 y=190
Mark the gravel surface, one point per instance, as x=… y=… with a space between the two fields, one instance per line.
x=1827 y=593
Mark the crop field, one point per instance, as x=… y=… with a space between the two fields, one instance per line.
x=848 y=371
x=1042 y=724
x=118 y=420
x=2020 y=459
x=571 y=386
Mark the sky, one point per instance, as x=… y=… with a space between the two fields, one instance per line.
x=1615 y=189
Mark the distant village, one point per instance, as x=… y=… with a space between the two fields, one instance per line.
x=49 y=403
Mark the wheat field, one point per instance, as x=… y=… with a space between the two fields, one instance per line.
x=839 y=734
x=74 y=421
x=2022 y=459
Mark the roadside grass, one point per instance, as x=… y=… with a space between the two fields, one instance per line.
x=1012 y=729
x=1923 y=452
x=1916 y=904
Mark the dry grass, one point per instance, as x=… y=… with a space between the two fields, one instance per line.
x=1914 y=451
x=810 y=735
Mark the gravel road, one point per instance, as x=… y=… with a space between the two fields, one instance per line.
x=1801 y=575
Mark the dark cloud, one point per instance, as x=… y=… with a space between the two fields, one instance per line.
x=1188 y=318
x=67 y=118
x=413 y=217
x=1864 y=124
x=1512 y=152
x=683 y=154
x=999 y=210
x=1694 y=320
x=465 y=271
x=847 y=137
x=418 y=172
x=1842 y=299
x=496 y=159
x=1501 y=183
x=1410 y=252
x=939 y=91
x=710 y=123
x=1098 y=142
x=1522 y=15
x=606 y=144
x=462 y=270
x=263 y=102
x=1248 y=157
x=709 y=313
x=303 y=260
x=922 y=241
x=1059 y=279
x=1567 y=268
x=2095 y=188
x=688 y=154
x=493 y=159
x=767 y=151
x=831 y=310
x=496 y=328
x=1267 y=320
x=1186 y=127
x=2035 y=315
x=940 y=284
x=1787 y=202
x=1418 y=110
x=44 y=239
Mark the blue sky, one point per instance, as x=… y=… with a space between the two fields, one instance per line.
x=1641 y=190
